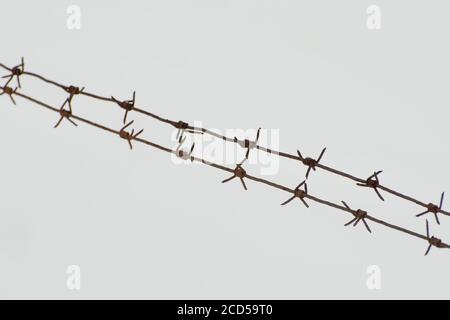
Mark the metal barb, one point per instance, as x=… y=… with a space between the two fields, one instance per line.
x=127 y=135
x=184 y=127
x=72 y=91
x=373 y=182
x=10 y=92
x=185 y=155
x=240 y=173
x=310 y=162
x=434 y=209
x=358 y=215
x=299 y=193
x=65 y=114
x=432 y=241
x=127 y=105
x=16 y=71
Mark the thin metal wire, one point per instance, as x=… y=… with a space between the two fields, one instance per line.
x=129 y=105
x=360 y=215
x=238 y=172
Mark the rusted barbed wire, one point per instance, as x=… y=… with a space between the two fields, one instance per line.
x=129 y=105
x=239 y=172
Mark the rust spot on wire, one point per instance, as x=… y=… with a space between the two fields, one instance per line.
x=10 y=92
x=72 y=91
x=127 y=105
x=358 y=215
x=127 y=135
x=432 y=241
x=16 y=71
x=239 y=173
x=374 y=183
x=299 y=193
x=310 y=162
x=65 y=114
x=434 y=209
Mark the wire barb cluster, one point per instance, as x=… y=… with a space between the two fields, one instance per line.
x=10 y=92
x=300 y=191
x=432 y=241
x=15 y=71
x=310 y=162
x=434 y=209
x=239 y=173
x=373 y=182
x=129 y=136
x=358 y=215
x=127 y=105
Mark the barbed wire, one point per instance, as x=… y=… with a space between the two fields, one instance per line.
x=238 y=172
x=311 y=163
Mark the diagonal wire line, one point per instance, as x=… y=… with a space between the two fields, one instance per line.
x=186 y=126
x=431 y=240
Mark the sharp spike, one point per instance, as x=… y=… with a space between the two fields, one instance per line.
x=307 y=172
x=372 y=176
x=367 y=226
x=304 y=202
x=71 y=121
x=350 y=222
x=229 y=179
x=243 y=183
x=288 y=200
x=300 y=184
x=356 y=222
x=361 y=184
x=127 y=125
x=428 y=250
x=12 y=99
x=437 y=218
x=137 y=134
x=376 y=177
x=58 y=123
x=321 y=154
x=421 y=214
x=345 y=204
x=378 y=193
x=125 y=117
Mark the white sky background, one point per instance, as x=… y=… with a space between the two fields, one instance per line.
x=141 y=227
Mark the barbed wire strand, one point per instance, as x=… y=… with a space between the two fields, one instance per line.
x=432 y=241
x=129 y=105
